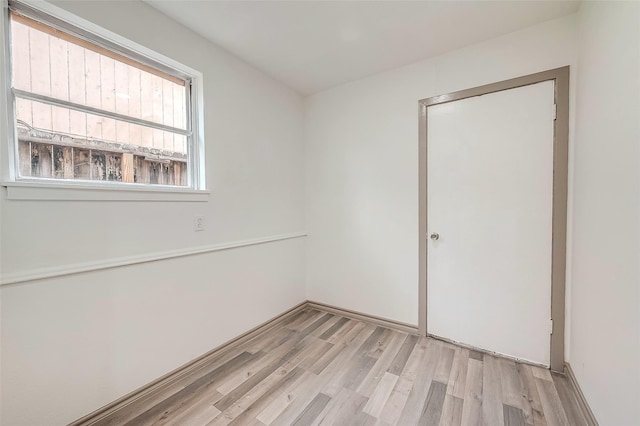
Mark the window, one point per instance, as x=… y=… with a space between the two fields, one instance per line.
x=88 y=110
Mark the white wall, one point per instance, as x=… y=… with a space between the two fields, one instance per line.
x=605 y=347
x=78 y=342
x=72 y=344
x=362 y=190
x=362 y=166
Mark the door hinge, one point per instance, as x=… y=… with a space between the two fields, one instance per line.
x=555 y=111
x=551 y=326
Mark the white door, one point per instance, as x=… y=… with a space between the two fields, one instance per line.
x=490 y=177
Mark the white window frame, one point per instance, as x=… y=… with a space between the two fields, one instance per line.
x=26 y=188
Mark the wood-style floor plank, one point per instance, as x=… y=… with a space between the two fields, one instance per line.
x=377 y=372
x=512 y=390
x=269 y=413
x=400 y=360
x=551 y=404
x=451 y=411
x=380 y=395
x=312 y=410
x=531 y=407
x=541 y=373
x=328 y=414
x=513 y=416
x=201 y=411
x=243 y=413
x=472 y=405
x=333 y=372
x=432 y=410
x=422 y=383
x=350 y=409
x=190 y=392
x=443 y=368
x=317 y=368
x=340 y=322
x=392 y=409
x=492 y=399
x=458 y=375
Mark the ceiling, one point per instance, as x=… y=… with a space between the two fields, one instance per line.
x=313 y=45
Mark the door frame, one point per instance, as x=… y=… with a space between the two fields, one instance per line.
x=560 y=76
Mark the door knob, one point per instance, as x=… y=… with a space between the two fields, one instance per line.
x=435 y=236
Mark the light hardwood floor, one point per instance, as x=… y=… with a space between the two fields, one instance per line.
x=317 y=368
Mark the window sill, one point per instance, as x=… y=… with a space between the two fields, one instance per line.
x=37 y=191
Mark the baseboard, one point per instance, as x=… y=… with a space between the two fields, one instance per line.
x=177 y=374
x=582 y=401
x=396 y=325
x=169 y=378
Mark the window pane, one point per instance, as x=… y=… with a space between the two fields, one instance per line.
x=56 y=142
x=87 y=74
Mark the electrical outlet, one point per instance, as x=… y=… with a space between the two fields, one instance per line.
x=198 y=223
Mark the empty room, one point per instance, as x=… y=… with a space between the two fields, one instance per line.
x=320 y=213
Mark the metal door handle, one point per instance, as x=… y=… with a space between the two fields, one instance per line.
x=435 y=236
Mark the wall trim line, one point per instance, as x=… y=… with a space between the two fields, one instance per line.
x=582 y=401
x=78 y=268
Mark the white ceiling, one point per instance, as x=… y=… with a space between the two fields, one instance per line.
x=313 y=45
